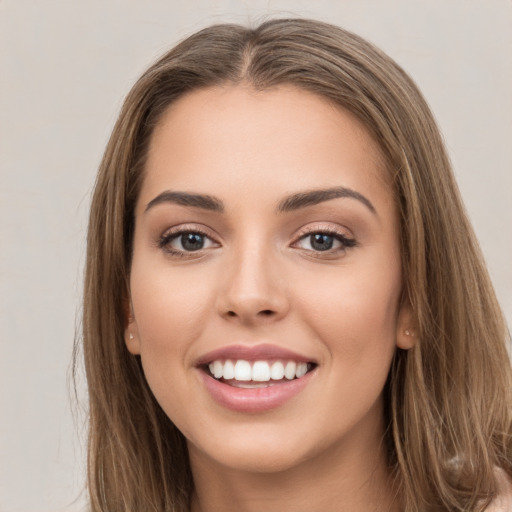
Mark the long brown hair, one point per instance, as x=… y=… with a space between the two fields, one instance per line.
x=448 y=399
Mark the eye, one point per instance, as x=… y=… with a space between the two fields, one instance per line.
x=325 y=241
x=182 y=242
x=320 y=241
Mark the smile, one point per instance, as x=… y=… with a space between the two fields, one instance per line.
x=255 y=379
x=246 y=374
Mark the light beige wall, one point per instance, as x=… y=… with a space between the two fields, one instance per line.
x=65 y=67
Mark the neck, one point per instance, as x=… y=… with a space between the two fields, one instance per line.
x=343 y=478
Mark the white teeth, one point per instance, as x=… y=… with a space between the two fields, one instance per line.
x=217 y=369
x=277 y=371
x=252 y=385
x=302 y=369
x=261 y=371
x=243 y=370
x=258 y=371
x=289 y=370
x=229 y=370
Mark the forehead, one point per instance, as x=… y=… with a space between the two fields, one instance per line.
x=282 y=138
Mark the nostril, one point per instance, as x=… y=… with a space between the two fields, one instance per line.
x=264 y=313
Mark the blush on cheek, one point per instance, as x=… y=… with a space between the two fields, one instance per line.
x=337 y=310
x=168 y=306
x=362 y=327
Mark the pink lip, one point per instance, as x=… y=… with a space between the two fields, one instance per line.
x=255 y=400
x=252 y=353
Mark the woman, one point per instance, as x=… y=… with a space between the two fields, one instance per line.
x=285 y=306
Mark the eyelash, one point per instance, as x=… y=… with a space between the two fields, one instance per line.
x=345 y=241
x=165 y=240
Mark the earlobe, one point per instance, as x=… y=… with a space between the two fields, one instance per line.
x=131 y=337
x=406 y=339
x=406 y=334
x=131 y=334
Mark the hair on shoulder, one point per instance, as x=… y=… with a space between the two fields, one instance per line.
x=448 y=399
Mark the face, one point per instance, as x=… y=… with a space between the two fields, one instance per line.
x=266 y=279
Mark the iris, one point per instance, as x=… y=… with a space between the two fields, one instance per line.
x=192 y=241
x=321 y=242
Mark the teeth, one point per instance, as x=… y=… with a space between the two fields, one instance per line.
x=243 y=370
x=302 y=369
x=259 y=371
x=217 y=369
x=277 y=371
x=229 y=370
x=289 y=370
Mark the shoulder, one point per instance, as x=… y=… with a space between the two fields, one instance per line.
x=502 y=502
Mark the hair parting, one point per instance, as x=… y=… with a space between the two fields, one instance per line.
x=449 y=423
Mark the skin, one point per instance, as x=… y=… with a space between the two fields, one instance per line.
x=259 y=280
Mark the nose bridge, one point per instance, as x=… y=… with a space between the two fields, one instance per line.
x=253 y=288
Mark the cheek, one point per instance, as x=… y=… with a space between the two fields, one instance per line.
x=351 y=316
x=167 y=301
x=354 y=313
x=170 y=311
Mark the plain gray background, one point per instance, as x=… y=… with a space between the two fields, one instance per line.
x=65 y=68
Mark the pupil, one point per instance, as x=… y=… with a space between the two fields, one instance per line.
x=192 y=241
x=321 y=242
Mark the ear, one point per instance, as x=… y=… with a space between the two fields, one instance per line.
x=131 y=332
x=406 y=331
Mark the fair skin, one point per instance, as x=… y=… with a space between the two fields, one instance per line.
x=259 y=273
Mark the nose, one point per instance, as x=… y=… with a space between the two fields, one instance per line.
x=253 y=289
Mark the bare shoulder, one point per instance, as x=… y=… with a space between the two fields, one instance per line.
x=503 y=502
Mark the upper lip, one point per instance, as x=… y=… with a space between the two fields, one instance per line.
x=252 y=353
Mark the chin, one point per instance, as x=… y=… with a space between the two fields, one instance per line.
x=259 y=449
x=260 y=459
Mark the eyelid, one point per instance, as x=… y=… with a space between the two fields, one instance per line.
x=174 y=232
x=328 y=229
x=187 y=228
x=340 y=234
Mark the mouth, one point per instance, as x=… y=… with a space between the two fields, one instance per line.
x=244 y=374
x=255 y=379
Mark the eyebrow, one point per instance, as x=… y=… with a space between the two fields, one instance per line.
x=313 y=197
x=204 y=202
x=290 y=203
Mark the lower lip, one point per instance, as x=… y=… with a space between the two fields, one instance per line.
x=256 y=399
